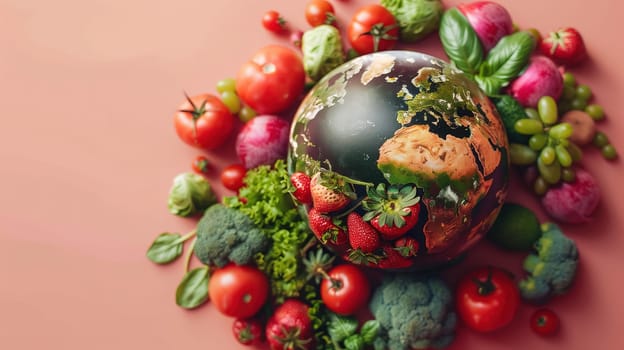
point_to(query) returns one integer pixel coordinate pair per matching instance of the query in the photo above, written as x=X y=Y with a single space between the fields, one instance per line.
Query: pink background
x=88 y=152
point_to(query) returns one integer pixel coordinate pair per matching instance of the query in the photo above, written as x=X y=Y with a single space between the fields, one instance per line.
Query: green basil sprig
x=460 y=42
x=505 y=61
x=167 y=247
x=193 y=289
x=343 y=329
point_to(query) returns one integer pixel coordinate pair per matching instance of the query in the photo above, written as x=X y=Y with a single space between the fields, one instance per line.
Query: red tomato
x=346 y=290
x=203 y=121
x=373 y=28
x=238 y=291
x=201 y=165
x=248 y=331
x=273 y=22
x=232 y=176
x=319 y=12
x=544 y=322
x=272 y=80
x=487 y=299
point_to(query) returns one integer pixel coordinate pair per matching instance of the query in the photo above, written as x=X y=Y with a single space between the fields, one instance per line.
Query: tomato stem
x=485 y=287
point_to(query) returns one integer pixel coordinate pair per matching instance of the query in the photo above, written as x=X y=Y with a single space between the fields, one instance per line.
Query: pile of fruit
x=313 y=249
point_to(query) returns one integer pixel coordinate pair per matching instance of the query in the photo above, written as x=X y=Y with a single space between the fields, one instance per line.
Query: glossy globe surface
x=406 y=118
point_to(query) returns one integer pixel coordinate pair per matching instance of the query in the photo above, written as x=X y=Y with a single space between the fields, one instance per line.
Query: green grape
x=528 y=126
x=532 y=113
x=227 y=84
x=246 y=114
x=609 y=152
x=521 y=154
x=550 y=172
x=547 y=155
x=231 y=100
x=583 y=92
x=568 y=174
x=563 y=156
x=569 y=79
x=540 y=186
x=547 y=109
x=600 y=139
x=569 y=93
x=538 y=141
x=595 y=111
x=575 y=152
x=578 y=104
x=561 y=131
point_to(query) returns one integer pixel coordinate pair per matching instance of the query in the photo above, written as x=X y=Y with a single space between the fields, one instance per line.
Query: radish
x=489 y=20
x=262 y=141
x=541 y=78
x=573 y=202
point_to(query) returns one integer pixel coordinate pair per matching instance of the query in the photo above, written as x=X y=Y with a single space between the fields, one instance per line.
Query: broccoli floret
x=551 y=268
x=225 y=234
x=510 y=111
x=414 y=313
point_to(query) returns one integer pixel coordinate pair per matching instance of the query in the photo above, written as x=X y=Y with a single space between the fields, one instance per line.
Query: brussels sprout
x=322 y=50
x=416 y=18
x=190 y=194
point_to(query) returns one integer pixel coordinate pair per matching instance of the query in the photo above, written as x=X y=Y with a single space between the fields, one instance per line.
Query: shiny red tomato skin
x=545 y=322
x=319 y=12
x=363 y=22
x=347 y=291
x=487 y=312
x=272 y=80
x=232 y=176
x=209 y=129
x=274 y=22
x=238 y=291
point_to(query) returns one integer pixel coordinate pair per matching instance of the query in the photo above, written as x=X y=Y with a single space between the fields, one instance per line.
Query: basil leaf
x=460 y=42
x=341 y=327
x=505 y=62
x=193 y=289
x=354 y=342
x=166 y=248
x=369 y=331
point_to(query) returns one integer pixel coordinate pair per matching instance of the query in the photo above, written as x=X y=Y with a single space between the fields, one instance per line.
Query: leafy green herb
x=190 y=194
x=354 y=342
x=460 y=42
x=369 y=331
x=193 y=289
x=167 y=247
x=343 y=330
x=341 y=327
x=505 y=61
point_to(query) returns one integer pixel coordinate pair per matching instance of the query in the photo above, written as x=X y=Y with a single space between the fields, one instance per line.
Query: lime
x=516 y=228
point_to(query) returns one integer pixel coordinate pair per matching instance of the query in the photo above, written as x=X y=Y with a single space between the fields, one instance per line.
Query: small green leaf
x=369 y=331
x=166 y=248
x=354 y=342
x=193 y=289
x=460 y=41
x=341 y=327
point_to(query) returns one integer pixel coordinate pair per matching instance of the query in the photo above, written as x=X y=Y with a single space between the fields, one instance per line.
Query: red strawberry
x=393 y=259
x=325 y=229
x=290 y=327
x=362 y=236
x=564 y=46
x=392 y=211
x=248 y=331
x=301 y=183
x=406 y=246
x=327 y=194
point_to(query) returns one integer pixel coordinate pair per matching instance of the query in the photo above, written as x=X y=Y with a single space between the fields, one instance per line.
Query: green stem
x=189 y=255
x=186 y=237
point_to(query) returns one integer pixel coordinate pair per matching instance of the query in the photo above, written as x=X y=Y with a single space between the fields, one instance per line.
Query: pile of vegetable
x=262 y=261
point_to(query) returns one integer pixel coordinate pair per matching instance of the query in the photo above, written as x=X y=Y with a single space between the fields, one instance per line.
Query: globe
x=393 y=122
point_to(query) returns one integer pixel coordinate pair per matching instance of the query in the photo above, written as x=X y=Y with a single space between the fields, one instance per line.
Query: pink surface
x=88 y=90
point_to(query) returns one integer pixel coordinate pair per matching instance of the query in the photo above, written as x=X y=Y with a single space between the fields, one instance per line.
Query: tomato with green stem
x=545 y=322
x=319 y=12
x=203 y=121
x=373 y=28
x=232 y=176
x=274 y=22
x=345 y=289
x=487 y=299
x=201 y=165
x=238 y=291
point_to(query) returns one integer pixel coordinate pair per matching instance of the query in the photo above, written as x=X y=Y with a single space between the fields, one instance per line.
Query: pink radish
x=541 y=78
x=262 y=141
x=489 y=20
x=574 y=202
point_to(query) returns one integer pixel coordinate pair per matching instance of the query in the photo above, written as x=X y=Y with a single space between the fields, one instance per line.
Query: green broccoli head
x=551 y=268
x=413 y=312
x=227 y=235
x=510 y=111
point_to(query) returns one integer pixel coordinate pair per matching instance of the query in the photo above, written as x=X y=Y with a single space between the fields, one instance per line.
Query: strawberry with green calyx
x=326 y=229
x=393 y=259
x=301 y=187
x=406 y=246
x=290 y=327
x=331 y=191
x=392 y=211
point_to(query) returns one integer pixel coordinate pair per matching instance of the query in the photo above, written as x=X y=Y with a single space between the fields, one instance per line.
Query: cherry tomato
x=272 y=80
x=232 y=176
x=373 y=28
x=319 y=12
x=203 y=121
x=274 y=22
x=345 y=289
x=544 y=322
x=238 y=291
x=201 y=165
x=487 y=299
x=248 y=331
